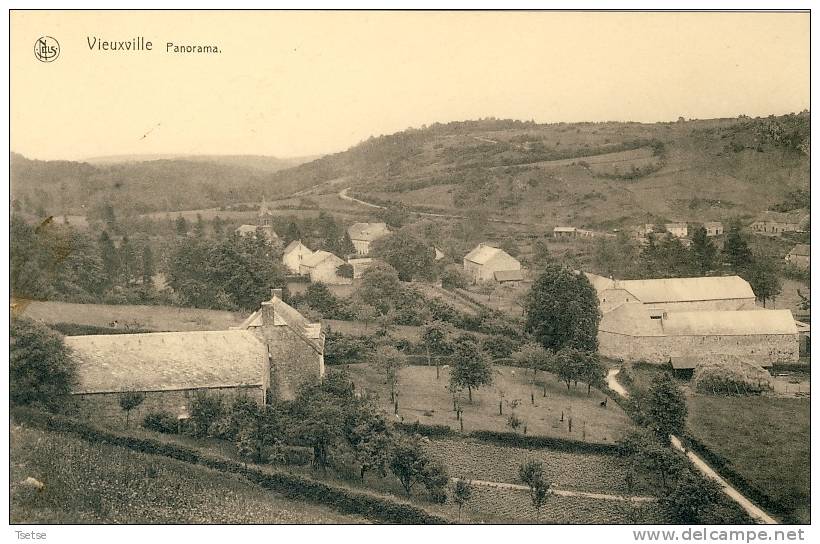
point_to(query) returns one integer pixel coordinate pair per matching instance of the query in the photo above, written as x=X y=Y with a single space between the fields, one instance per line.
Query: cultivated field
x=152 y=318
x=425 y=399
x=765 y=440
x=86 y=483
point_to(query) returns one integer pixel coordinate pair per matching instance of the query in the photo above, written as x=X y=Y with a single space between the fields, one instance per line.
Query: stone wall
x=104 y=408
x=760 y=348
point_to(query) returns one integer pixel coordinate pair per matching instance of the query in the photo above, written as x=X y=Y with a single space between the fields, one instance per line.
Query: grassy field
x=86 y=483
x=425 y=399
x=153 y=318
x=766 y=440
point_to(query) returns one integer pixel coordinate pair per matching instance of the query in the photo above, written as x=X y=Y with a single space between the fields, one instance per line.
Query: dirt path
x=563 y=492
x=751 y=508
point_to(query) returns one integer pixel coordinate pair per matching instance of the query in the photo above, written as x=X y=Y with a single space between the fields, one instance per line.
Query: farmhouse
x=484 y=261
x=638 y=332
x=295 y=253
x=800 y=256
x=266 y=358
x=322 y=266
x=678 y=230
x=708 y=293
x=363 y=234
x=775 y=223
x=264 y=223
x=713 y=228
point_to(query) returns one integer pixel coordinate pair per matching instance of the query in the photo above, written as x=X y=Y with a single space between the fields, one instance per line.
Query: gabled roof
x=631 y=319
x=482 y=253
x=803 y=250
x=167 y=361
x=245 y=229
x=318 y=257
x=729 y=323
x=687 y=289
x=508 y=275
x=367 y=231
x=294 y=245
x=564 y=229
x=708 y=224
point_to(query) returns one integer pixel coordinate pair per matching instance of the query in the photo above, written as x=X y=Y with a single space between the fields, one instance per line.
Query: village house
x=563 y=232
x=484 y=261
x=359 y=265
x=713 y=228
x=266 y=359
x=656 y=320
x=678 y=230
x=363 y=234
x=800 y=256
x=775 y=223
x=323 y=266
x=293 y=256
x=264 y=223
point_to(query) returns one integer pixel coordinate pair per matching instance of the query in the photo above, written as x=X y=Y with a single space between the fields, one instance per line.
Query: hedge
x=543 y=442
x=289 y=485
x=425 y=429
x=723 y=466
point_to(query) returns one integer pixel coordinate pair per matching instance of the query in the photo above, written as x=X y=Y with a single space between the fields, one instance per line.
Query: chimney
x=275 y=293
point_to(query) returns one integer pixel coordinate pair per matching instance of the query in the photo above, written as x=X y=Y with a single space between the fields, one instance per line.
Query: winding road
x=756 y=513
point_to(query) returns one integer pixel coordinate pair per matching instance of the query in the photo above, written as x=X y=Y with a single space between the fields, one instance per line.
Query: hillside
x=67 y=187
x=263 y=163
x=599 y=175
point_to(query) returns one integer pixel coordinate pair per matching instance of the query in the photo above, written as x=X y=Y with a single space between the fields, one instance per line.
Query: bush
x=515 y=440
x=424 y=429
x=161 y=422
x=205 y=411
x=40 y=369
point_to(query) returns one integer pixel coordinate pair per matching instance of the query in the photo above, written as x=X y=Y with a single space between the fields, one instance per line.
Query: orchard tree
x=130 y=400
x=40 y=369
x=665 y=406
x=568 y=365
x=434 y=336
x=649 y=454
x=389 y=361
x=462 y=492
x=471 y=369
x=562 y=310
x=592 y=371
x=409 y=255
x=372 y=442
x=379 y=286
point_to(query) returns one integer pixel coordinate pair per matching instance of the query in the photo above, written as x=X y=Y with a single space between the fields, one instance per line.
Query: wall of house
x=325 y=272
x=104 y=408
x=293 y=260
x=658 y=349
x=473 y=270
x=362 y=246
x=294 y=360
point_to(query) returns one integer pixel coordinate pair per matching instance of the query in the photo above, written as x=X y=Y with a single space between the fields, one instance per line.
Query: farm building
x=266 y=358
x=509 y=277
x=708 y=293
x=363 y=234
x=484 y=261
x=563 y=232
x=775 y=223
x=800 y=256
x=678 y=230
x=637 y=332
x=323 y=266
x=264 y=223
x=295 y=253
x=360 y=265
x=713 y=228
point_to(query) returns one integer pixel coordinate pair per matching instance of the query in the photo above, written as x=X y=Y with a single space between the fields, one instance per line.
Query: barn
x=266 y=358
x=484 y=261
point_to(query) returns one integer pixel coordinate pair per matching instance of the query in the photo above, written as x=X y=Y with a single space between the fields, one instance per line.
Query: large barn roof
x=687 y=289
x=167 y=361
x=318 y=257
x=729 y=323
x=482 y=253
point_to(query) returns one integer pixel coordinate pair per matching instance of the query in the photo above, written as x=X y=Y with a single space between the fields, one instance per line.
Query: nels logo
x=46 y=49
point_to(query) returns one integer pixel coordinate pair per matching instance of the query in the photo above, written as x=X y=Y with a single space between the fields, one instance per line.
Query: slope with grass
x=86 y=483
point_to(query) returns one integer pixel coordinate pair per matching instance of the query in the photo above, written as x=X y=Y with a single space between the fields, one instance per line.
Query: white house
x=322 y=266
x=294 y=255
x=484 y=261
x=363 y=234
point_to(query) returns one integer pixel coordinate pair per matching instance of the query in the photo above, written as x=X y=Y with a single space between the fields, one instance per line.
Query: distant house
x=360 y=265
x=713 y=228
x=509 y=277
x=439 y=254
x=265 y=359
x=776 y=223
x=363 y=234
x=800 y=256
x=264 y=223
x=484 y=261
x=564 y=232
x=678 y=230
x=295 y=253
x=322 y=267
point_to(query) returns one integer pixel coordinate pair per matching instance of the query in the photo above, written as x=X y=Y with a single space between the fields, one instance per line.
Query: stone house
x=775 y=223
x=564 y=232
x=360 y=265
x=266 y=358
x=264 y=223
x=363 y=234
x=484 y=261
x=323 y=266
x=800 y=256
x=713 y=228
x=293 y=256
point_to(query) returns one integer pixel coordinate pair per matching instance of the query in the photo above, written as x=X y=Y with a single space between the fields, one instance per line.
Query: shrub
x=205 y=411
x=161 y=421
x=40 y=370
x=424 y=429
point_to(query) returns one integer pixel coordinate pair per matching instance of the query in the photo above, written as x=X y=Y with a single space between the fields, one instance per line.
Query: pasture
x=765 y=440
x=151 y=318
x=85 y=483
x=423 y=398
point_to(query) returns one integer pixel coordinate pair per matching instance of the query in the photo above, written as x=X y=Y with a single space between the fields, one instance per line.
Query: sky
x=292 y=84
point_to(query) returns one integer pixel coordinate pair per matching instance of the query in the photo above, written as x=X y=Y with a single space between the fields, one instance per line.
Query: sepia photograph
x=416 y=267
